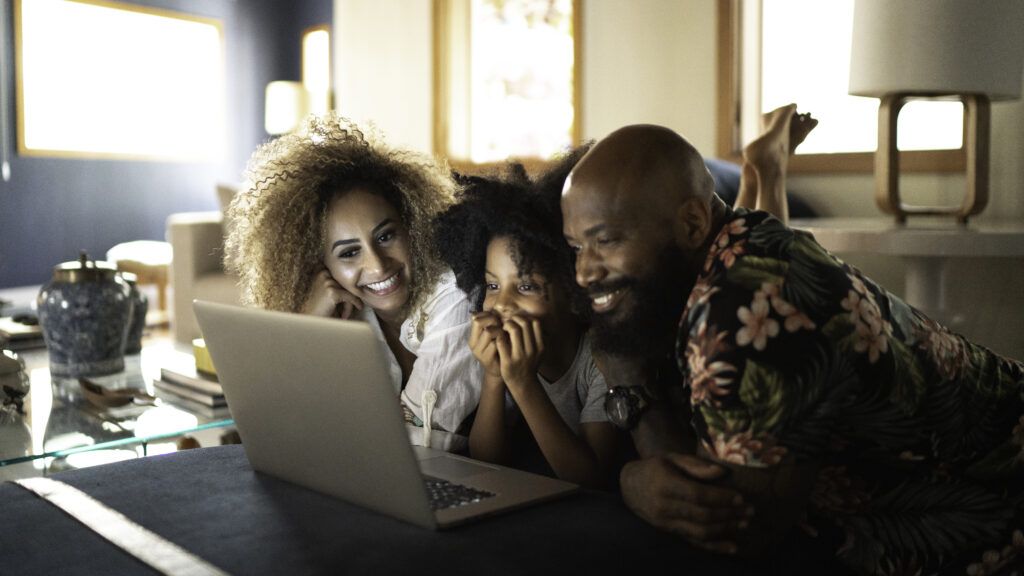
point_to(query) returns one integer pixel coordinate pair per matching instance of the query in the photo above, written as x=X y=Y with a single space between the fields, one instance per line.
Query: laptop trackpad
x=450 y=468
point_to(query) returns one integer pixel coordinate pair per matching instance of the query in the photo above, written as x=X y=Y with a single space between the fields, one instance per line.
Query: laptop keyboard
x=444 y=494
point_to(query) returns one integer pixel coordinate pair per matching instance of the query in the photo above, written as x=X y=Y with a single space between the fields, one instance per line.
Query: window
x=506 y=79
x=765 y=63
x=102 y=79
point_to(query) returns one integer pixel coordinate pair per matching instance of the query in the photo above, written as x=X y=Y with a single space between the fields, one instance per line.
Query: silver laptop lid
x=291 y=416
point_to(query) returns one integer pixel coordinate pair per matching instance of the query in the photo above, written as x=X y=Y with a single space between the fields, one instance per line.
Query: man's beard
x=655 y=304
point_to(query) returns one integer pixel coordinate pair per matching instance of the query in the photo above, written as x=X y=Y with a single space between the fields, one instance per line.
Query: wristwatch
x=624 y=405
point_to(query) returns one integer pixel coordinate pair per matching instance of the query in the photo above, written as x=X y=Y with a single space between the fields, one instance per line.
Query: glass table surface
x=61 y=427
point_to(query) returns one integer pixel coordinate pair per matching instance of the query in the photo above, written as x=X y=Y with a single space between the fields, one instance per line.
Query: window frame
x=729 y=145
x=24 y=150
x=442 y=77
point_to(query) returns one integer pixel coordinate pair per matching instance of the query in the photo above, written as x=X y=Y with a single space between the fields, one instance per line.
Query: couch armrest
x=197 y=239
x=198 y=242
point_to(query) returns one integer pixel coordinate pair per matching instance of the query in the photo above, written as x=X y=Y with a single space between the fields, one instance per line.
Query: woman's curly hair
x=527 y=213
x=277 y=223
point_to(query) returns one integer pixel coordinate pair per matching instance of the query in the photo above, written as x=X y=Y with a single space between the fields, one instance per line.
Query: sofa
x=197 y=271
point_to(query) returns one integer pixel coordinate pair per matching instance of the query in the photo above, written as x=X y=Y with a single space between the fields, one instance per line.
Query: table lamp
x=287 y=104
x=955 y=49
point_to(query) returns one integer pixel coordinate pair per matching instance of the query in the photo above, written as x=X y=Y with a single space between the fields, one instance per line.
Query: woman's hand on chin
x=328 y=299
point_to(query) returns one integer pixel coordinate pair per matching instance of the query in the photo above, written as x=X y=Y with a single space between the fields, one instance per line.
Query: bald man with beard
x=773 y=392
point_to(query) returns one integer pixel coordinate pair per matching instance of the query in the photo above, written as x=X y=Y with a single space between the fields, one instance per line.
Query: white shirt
x=438 y=334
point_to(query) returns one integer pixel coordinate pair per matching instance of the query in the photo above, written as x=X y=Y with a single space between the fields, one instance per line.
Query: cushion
x=727 y=186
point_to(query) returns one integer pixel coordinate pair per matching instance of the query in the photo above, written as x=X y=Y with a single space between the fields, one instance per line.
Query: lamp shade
x=287 y=104
x=937 y=47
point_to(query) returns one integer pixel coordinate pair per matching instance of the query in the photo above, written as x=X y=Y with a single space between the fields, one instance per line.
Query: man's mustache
x=609 y=286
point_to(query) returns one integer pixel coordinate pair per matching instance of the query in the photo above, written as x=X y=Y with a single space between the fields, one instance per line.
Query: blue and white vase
x=85 y=310
x=140 y=306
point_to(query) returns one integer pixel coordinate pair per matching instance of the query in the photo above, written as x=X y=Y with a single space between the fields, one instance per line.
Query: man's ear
x=692 y=223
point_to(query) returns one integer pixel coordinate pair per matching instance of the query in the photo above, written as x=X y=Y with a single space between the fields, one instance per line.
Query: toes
x=801 y=125
x=772 y=118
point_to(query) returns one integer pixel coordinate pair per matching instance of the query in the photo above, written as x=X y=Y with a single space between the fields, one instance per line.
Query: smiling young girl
x=504 y=243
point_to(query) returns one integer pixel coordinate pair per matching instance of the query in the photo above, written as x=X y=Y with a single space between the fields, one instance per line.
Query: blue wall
x=54 y=207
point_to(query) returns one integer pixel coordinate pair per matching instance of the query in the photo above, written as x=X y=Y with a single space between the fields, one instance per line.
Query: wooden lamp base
x=977 y=120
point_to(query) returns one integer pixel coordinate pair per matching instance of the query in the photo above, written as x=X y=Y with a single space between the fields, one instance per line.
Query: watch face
x=621 y=408
x=617 y=410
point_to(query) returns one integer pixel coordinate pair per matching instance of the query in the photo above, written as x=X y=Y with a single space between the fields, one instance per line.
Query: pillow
x=727 y=179
x=727 y=186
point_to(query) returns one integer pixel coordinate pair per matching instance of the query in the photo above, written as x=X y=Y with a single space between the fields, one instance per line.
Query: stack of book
x=21 y=332
x=195 y=391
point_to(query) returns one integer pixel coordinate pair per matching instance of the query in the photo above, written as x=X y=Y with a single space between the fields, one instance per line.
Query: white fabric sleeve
x=444 y=362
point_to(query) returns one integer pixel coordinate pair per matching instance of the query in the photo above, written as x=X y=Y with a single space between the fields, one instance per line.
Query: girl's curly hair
x=527 y=213
x=277 y=223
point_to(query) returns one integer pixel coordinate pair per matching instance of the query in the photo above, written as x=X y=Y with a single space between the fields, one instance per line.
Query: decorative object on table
x=182 y=392
x=947 y=49
x=14 y=385
x=219 y=408
x=140 y=306
x=85 y=311
x=21 y=332
x=190 y=377
x=104 y=397
x=194 y=389
x=204 y=364
x=15 y=433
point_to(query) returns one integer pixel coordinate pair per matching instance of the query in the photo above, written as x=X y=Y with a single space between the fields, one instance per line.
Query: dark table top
x=210 y=502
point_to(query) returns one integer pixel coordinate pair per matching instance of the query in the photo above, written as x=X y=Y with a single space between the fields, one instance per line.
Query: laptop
x=314 y=405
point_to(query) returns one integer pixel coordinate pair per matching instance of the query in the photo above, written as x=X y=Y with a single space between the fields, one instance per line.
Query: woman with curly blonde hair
x=332 y=222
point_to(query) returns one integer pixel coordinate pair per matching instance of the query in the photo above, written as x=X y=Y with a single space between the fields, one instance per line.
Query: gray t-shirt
x=579 y=394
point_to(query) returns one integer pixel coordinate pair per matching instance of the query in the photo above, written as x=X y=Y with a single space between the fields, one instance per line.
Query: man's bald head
x=638 y=211
x=645 y=164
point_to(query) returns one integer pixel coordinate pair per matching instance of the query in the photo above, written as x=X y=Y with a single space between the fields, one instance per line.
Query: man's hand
x=484 y=331
x=520 y=349
x=675 y=493
x=327 y=298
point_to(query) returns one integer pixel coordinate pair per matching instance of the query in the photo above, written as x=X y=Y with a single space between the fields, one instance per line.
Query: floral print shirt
x=789 y=354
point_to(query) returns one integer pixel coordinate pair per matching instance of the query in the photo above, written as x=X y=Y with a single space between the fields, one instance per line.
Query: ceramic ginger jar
x=140 y=306
x=85 y=310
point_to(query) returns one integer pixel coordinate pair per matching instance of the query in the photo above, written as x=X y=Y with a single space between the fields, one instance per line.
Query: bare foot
x=770 y=151
x=766 y=159
x=747 y=194
x=800 y=125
